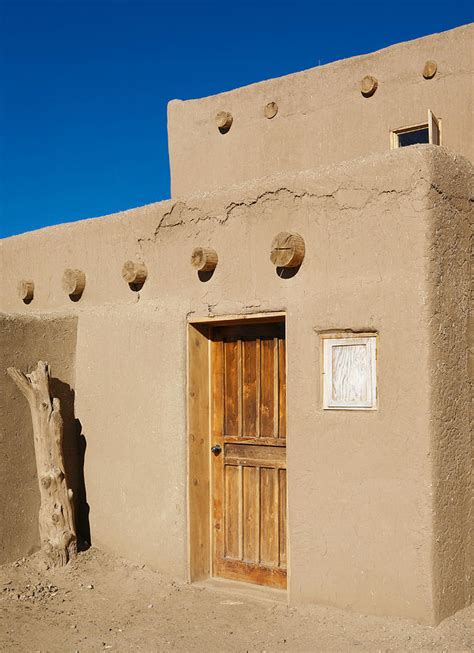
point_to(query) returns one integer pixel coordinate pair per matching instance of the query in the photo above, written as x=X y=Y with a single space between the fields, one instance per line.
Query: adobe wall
x=24 y=340
x=452 y=447
x=322 y=116
x=369 y=493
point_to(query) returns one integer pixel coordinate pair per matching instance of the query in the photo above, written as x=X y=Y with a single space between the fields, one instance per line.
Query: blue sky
x=84 y=85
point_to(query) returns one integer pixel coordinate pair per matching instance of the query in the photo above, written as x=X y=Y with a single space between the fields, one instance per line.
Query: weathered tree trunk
x=56 y=516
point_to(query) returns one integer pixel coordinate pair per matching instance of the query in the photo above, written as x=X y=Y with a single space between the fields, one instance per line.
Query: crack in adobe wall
x=327 y=196
x=184 y=211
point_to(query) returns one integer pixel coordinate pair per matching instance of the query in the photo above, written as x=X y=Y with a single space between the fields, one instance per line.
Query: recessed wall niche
x=349 y=372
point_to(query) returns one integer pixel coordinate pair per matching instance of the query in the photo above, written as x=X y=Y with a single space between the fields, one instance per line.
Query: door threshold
x=245 y=590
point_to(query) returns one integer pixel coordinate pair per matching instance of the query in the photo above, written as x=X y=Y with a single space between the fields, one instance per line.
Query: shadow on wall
x=74 y=452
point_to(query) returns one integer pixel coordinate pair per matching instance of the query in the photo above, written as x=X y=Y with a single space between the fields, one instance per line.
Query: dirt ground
x=100 y=603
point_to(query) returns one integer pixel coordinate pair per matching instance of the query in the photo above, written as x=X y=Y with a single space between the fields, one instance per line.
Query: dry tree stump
x=56 y=514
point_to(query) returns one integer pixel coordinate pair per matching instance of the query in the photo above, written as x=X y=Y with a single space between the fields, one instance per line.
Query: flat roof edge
x=335 y=64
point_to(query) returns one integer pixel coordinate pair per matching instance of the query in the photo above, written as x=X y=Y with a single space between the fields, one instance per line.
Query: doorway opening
x=237 y=451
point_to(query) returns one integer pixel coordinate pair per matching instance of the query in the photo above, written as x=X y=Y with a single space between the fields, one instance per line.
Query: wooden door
x=248 y=463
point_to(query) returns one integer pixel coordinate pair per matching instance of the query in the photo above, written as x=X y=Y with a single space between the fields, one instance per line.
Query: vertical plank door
x=249 y=453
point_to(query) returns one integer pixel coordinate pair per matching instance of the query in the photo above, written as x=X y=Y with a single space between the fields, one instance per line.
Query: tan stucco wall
x=471 y=420
x=322 y=116
x=130 y=384
x=23 y=341
x=364 y=487
x=449 y=269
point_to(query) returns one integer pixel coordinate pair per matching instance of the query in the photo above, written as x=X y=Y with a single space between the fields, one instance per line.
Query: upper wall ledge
x=338 y=112
x=426 y=160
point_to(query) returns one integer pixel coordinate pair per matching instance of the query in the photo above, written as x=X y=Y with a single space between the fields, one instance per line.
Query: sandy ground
x=100 y=603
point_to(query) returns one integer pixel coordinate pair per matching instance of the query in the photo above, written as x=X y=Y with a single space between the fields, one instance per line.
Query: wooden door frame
x=198 y=393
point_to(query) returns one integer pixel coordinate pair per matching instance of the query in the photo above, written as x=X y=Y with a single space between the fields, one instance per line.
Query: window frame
x=433 y=124
x=329 y=341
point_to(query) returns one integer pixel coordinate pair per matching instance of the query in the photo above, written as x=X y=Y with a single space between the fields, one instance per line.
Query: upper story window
x=428 y=132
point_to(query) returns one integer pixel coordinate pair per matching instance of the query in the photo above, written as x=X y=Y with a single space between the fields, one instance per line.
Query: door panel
x=250 y=387
x=282 y=535
x=232 y=364
x=282 y=389
x=251 y=507
x=254 y=455
x=249 y=470
x=268 y=401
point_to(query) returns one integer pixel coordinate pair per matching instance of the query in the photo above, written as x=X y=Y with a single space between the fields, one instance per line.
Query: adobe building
x=266 y=377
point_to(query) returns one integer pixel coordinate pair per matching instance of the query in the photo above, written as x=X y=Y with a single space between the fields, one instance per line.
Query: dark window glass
x=413 y=137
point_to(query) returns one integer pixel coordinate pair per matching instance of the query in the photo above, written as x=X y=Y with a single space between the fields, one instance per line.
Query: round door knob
x=216 y=449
